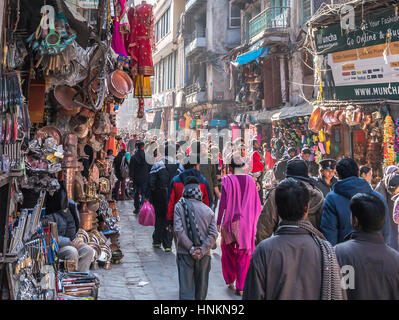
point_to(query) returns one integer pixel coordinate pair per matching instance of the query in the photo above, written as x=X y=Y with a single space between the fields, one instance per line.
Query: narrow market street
x=146 y=273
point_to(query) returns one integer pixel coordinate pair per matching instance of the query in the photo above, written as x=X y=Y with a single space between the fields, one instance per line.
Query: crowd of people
x=291 y=241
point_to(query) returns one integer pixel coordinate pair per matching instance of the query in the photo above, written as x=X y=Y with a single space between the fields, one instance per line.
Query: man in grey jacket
x=195 y=234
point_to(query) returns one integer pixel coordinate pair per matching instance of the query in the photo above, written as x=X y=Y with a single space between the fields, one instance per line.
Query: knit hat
x=393 y=182
x=297 y=168
x=390 y=169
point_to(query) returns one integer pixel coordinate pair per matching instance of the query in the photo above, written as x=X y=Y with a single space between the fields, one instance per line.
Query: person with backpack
x=161 y=175
x=121 y=169
x=139 y=174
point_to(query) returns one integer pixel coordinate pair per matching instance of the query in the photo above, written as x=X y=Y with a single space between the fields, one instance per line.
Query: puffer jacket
x=269 y=219
x=66 y=226
x=336 y=219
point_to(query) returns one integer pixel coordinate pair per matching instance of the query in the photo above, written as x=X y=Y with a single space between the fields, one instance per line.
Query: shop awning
x=301 y=110
x=251 y=56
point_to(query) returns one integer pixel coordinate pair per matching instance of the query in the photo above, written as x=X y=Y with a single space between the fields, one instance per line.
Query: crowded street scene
x=230 y=150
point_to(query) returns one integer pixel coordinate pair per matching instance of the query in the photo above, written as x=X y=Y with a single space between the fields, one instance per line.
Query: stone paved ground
x=142 y=263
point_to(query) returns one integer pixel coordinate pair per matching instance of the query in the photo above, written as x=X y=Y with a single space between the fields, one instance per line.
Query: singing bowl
x=64 y=95
x=316 y=122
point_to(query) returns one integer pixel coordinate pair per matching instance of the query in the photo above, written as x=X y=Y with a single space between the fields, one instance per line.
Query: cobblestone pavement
x=146 y=273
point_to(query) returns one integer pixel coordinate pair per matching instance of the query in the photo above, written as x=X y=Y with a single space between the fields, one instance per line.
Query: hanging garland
x=397 y=141
x=389 y=141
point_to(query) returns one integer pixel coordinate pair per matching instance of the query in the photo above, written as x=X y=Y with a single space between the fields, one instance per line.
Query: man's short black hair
x=191 y=180
x=347 y=168
x=140 y=144
x=306 y=151
x=110 y=152
x=369 y=210
x=292 y=197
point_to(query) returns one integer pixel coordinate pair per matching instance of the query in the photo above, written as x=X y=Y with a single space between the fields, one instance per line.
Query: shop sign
x=219 y=96
x=360 y=64
x=87 y=4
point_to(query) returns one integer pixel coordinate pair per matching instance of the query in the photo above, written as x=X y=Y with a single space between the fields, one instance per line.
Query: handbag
x=124 y=169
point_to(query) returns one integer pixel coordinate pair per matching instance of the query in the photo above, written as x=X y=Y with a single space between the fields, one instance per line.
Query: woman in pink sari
x=239 y=211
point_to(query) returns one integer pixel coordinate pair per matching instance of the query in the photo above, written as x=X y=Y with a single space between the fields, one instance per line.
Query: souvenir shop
x=61 y=84
x=367 y=132
x=357 y=88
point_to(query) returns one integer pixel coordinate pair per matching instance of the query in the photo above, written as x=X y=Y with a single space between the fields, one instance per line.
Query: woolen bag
x=147 y=215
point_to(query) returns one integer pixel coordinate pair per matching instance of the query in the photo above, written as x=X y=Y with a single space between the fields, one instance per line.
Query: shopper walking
x=209 y=171
x=336 y=217
x=297 y=263
x=195 y=234
x=239 y=210
x=375 y=265
x=161 y=175
x=120 y=166
x=191 y=168
x=269 y=219
x=140 y=171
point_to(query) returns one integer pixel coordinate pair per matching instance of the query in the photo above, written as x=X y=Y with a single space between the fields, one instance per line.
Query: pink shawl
x=243 y=207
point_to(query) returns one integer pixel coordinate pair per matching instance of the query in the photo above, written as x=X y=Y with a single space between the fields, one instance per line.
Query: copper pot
x=85 y=112
x=120 y=84
x=86 y=219
x=316 y=122
x=64 y=95
x=49 y=131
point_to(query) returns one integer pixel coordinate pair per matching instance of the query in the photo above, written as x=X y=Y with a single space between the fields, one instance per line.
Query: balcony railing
x=194 y=88
x=198 y=33
x=270 y=18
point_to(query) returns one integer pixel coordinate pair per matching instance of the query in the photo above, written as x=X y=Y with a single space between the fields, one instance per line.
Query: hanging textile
x=121 y=28
x=142 y=87
x=141 y=39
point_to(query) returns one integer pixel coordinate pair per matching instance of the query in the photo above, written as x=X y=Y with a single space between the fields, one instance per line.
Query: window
x=235 y=16
x=165 y=74
x=163 y=26
x=306 y=11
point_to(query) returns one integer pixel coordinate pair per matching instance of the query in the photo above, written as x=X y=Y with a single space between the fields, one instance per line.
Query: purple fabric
x=241 y=203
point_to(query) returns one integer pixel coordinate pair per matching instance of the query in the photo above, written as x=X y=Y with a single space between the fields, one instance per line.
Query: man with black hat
x=280 y=167
x=269 y=220
x=327 y=179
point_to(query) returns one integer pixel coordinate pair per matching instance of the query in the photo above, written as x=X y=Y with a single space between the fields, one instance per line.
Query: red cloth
x=270 y=162
x=258 y=165
x=141 y=39
x=177 y=193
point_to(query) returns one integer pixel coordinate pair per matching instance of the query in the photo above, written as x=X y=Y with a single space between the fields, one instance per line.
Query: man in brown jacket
x=269 y=219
